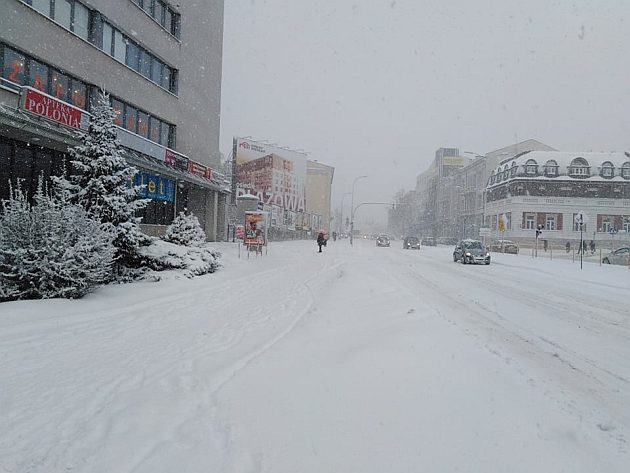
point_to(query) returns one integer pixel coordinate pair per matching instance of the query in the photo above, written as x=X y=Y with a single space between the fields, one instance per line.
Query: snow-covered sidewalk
x=358 y=359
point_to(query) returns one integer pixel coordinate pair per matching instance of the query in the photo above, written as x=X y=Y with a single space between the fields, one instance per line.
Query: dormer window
x=551 y=168
x=579 y=168
x=514 y=169
x=608 y=170
x=625 y=170
x=531 y=167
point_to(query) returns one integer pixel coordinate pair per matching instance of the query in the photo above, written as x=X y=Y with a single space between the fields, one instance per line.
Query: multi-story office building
x=160 y=62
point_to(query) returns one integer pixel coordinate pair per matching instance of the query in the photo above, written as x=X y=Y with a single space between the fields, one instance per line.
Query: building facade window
x=550 y=222
x=70 y=14
x=625 y=170
x=529 y=221
x=551 y=168
x=607 y=170
x=13 y=66
x=24 y=70
x=162 y=13
x=531 y=167
x=626 y=223
x=579 y=168
x=123 y=49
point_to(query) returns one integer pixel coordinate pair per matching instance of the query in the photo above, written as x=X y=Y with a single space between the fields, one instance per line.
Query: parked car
x=382 y=240
x=428 y=241
x=471 y=252
x=411 y=243
x=504 y=246
x=619 y=256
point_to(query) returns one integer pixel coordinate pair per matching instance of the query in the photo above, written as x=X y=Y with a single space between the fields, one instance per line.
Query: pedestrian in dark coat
x=321 y=241
x=592 y=245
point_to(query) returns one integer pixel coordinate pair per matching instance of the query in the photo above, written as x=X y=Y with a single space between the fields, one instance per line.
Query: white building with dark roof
x=549 y=188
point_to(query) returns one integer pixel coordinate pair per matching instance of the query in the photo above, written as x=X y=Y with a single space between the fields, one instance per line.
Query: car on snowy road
x=382 y=240
x=471 y=252
x=411 y=243
x=619 y=256
x=504 y=246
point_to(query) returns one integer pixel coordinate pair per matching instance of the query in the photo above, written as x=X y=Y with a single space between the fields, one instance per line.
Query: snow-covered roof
x=517 y=166
x=564 y=158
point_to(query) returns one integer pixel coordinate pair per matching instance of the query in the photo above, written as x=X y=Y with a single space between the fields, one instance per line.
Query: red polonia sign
x=53 y=109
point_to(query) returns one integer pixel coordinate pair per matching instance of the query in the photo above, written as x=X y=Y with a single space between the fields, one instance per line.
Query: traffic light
x=539 y=230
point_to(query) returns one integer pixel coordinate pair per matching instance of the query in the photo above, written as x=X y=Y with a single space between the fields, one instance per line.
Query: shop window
x=38 y=75
x=79 y=94
x=60 y=85
x=6 y=151
x=42 y=165
x=81 y=21
x=143 y=124
x=131 y=118
x=13 y=66
x=23 y=168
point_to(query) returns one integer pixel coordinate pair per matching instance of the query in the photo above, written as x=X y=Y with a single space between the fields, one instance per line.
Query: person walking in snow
x=321 y=241
x=592 y=245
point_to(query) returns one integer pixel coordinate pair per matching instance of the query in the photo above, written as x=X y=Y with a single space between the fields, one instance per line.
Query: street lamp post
x=352 y=208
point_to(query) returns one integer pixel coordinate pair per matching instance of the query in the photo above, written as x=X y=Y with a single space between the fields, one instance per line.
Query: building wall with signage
x=194 y=106
x=64 y=70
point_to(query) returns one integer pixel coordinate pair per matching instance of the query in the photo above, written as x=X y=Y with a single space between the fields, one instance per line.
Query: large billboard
x=277 y=176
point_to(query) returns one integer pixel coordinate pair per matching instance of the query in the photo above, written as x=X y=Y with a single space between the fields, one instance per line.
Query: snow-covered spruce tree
x=50 y=249
x=102 y=185
x=185 y=230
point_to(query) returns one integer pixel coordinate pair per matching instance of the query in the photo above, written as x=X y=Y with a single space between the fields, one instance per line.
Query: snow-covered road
x=359 y=359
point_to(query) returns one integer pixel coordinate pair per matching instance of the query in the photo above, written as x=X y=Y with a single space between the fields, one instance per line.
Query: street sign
x=581 y=217
x=613 y=231
x=485 y=231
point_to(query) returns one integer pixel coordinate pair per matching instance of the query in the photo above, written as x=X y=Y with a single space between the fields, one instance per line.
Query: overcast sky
x=376 y=86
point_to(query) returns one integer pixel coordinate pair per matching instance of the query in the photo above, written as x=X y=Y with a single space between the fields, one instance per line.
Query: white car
x=619 y=256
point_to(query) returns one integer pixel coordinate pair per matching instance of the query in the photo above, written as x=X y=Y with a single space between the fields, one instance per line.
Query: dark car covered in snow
x=471 y=252
x=411 y=243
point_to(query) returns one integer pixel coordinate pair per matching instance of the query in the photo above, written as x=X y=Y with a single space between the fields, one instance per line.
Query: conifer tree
x=185 y=230
x=103 y=184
